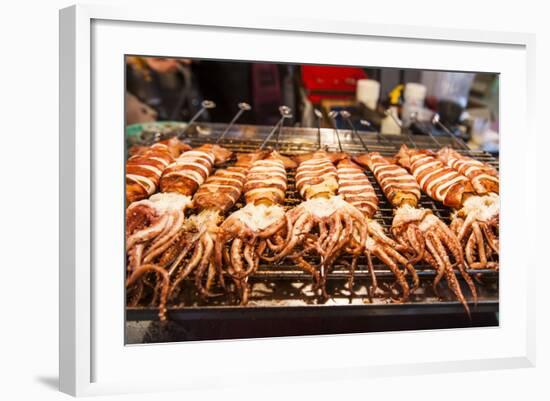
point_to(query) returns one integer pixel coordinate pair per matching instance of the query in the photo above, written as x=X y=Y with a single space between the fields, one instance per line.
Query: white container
x=368 y=92
x=414 y=92
x=414 y=95
x=389 y=123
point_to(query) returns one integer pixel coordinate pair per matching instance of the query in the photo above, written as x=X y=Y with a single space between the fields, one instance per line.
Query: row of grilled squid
x=167 y=245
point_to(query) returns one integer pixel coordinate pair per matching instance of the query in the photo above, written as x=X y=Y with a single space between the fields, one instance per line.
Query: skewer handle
x=242 y=108
x=347 y=116
x=414 y=118
x=319 y=116
x=286 y=112
x=436 y=121
x=205 y=105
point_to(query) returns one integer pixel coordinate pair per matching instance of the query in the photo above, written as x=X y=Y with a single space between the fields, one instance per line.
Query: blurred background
x=387 y=100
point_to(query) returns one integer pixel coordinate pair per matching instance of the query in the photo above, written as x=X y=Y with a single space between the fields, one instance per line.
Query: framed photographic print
x=231 y=188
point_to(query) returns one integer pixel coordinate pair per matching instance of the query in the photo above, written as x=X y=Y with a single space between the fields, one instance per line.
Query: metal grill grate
x=284 y=284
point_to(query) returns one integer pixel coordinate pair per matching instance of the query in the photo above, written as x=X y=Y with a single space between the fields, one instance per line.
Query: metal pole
x=414 y=118
x=205 y=105
x=347 y=117
x=286 y=112
x=435 y=121
x=319 y=116
x=242 y=108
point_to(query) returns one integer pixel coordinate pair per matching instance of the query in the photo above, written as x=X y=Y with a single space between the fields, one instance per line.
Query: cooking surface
x=282 y=288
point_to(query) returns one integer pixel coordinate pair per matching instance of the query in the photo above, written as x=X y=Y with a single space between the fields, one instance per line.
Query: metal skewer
x=319 y=116
x=347 y=117
x=379 y=136
x=367 y=124
x=435 y=121
x=332 y=115
x=414 y=118
x=409 y=137
x=242 y=108
x=286 y=112
x=205 y=105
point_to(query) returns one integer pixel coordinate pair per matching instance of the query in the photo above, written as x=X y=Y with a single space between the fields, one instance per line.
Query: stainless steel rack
x=282 y=291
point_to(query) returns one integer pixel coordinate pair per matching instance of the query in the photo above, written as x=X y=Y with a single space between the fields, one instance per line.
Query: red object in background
x=321 y=82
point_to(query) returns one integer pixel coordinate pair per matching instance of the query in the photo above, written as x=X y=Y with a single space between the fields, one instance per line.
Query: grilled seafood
x=484 y=178
x=249 y=228
x=334 y=157
x=144 y=168
x=178 y=182
x=418 y=229
x=477 y=222
x=477 y=217
x=154 y=225
x=356 y=189
x=214 y=198
x=324 y=224
x=175 y=147
x=191 y=169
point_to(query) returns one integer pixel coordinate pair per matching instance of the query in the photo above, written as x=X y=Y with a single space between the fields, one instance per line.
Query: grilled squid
x=476 y=217
x=155 y=225
x=324 y=224
x=356 y=189
x=180 y=179
x=215 y=197
x=244 y=234
x=145 y=167
x=477 y=221
x=425 y=236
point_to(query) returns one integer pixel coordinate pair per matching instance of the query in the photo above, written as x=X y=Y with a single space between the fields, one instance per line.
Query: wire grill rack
x=283 y=284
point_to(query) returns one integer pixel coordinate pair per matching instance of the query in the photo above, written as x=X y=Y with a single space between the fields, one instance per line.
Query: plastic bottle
x=389 y=123
x=414 y=95
x=368 y=92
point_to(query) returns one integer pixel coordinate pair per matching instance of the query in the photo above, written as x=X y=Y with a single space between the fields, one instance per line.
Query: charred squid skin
x=236 y=259
x=153 y=226
x=351 y=278
x=438 y=252
x=400 y=277
x=237 y=264
x=414 y=236
x=453 y=245
x=211 y=275
x=138 y=273
x=164 y=241
x=148 y=233
x=480 y=244
x=172 y=228
x=333 y=239
x=208 y=246
x=134 y=257
x=184 y=248
x=473 y=223
x=294 y=240
x=193 y=262
x=492 y=241
x=469 y=250
x=374 y=281
x=444 y=241
x=408 y=266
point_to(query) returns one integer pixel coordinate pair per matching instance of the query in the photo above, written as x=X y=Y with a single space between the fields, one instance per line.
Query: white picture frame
x=92 y=362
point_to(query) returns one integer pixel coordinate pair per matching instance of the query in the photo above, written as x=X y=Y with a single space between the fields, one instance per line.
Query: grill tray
x=283 y=288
